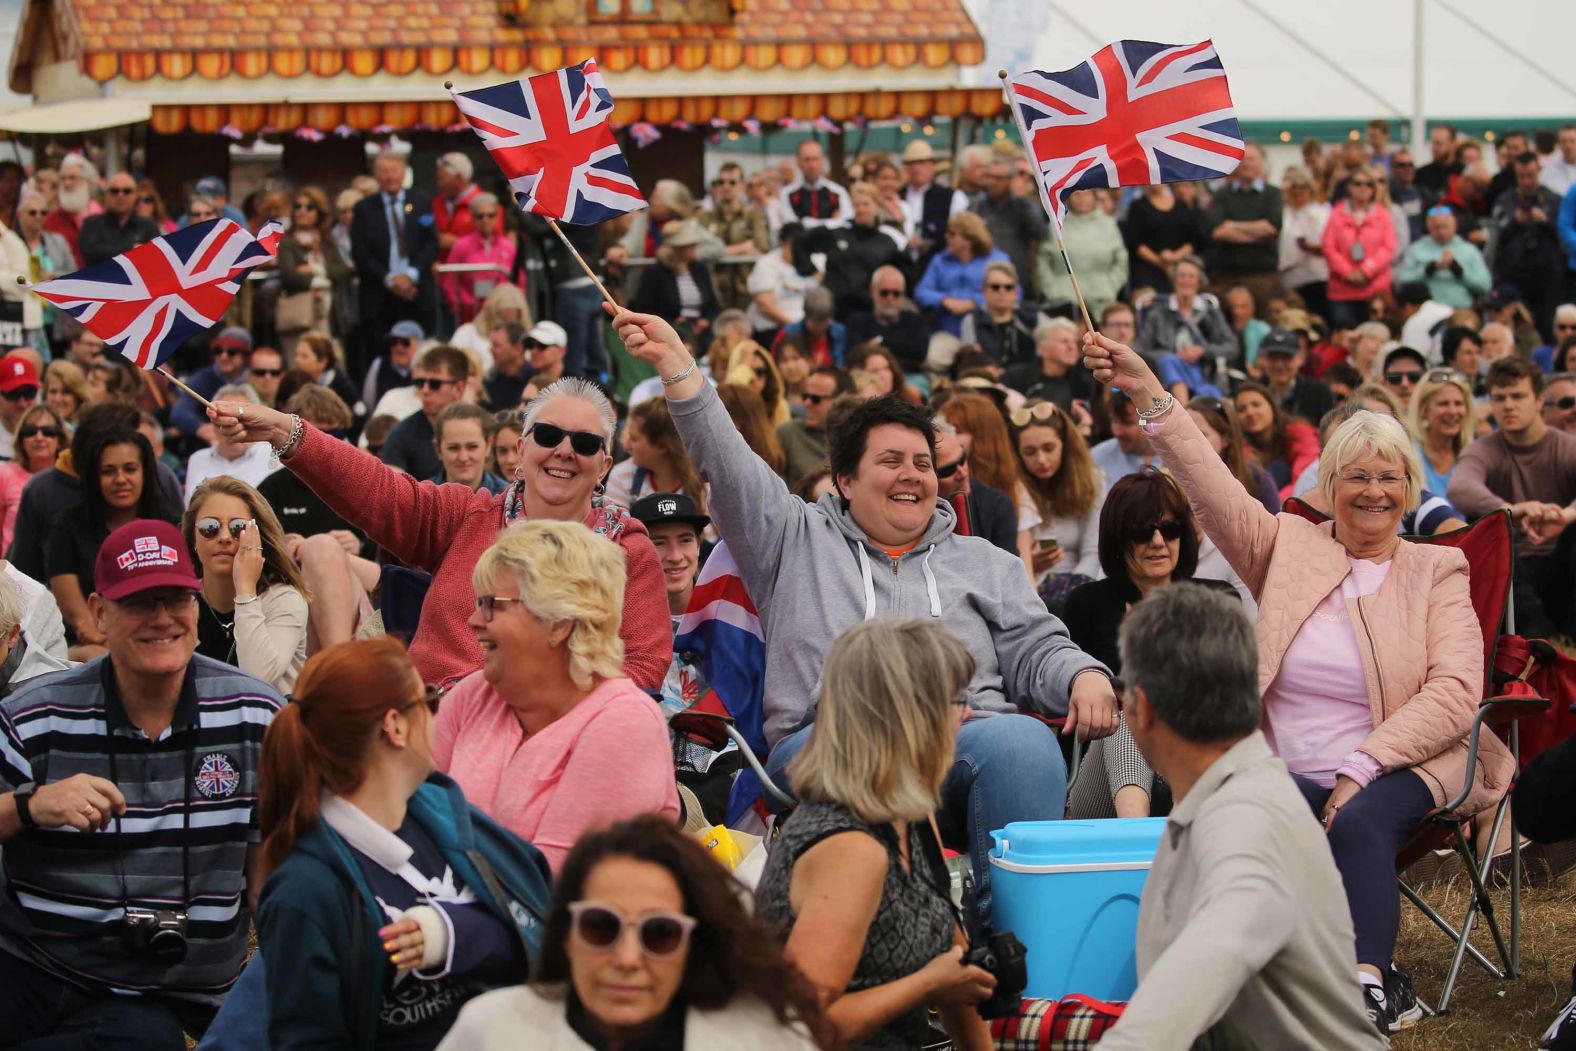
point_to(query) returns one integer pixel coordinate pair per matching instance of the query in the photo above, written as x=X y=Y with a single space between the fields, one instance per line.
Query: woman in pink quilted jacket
x=1370 y=655
x=1359 y=246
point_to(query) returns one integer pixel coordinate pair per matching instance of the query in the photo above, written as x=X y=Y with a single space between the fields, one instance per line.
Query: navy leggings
x=1365 y=837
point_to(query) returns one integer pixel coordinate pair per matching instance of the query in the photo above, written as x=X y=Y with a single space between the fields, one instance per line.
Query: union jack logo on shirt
x=551 y=137
x=1135 y=114
x=147 y=302
x=216 y=777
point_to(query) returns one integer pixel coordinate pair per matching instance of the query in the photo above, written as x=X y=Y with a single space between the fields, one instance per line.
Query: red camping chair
x=1490 y=552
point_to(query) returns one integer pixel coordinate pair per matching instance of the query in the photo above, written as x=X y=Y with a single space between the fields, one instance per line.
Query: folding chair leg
x=1077 y=761
x=1449 y=931
x=1481 y=904
x=1515 y=867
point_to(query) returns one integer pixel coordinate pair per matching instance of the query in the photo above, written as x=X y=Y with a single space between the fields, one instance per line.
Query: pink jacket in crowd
x=1422 y=649
x=443 y=529
x=1376 y=234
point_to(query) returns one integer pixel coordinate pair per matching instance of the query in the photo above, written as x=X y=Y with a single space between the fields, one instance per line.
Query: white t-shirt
x=773 y=273
x=251 y=467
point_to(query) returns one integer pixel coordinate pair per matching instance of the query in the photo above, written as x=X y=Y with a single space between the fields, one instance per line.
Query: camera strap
x=186 y=821
x=942 y=881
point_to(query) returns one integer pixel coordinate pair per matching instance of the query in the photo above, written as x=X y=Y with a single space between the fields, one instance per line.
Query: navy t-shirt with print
x=419 y=1006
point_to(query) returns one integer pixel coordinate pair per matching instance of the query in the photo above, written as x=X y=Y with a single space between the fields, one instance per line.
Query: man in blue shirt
x=1128 y=447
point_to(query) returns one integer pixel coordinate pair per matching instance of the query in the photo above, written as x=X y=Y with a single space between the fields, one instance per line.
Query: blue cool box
x=1069 y=890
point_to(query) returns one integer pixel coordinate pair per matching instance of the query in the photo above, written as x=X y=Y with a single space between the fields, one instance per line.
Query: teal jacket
x=317 y=921
x=1444 y=284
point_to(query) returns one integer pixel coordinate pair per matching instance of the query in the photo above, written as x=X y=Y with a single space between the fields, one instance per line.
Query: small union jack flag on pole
x=1135 y=114
x=551 y=136
x=147 y=302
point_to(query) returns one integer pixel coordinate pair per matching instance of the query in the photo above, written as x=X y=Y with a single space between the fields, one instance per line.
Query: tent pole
x=1419 y=118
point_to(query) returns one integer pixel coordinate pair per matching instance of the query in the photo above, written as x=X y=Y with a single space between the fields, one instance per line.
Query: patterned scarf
x=607 y=518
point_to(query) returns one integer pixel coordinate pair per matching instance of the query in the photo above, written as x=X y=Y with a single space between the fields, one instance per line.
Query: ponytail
x=319 y=741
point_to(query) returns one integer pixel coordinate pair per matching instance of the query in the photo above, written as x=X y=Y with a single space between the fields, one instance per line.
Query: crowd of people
x=376 y=652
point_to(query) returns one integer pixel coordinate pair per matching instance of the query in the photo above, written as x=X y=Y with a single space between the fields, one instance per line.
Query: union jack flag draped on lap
x=1135 y=114
x=551 y=137
x=147 y=302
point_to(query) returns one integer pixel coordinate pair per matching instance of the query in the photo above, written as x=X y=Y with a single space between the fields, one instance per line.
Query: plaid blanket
x=1074 y=1023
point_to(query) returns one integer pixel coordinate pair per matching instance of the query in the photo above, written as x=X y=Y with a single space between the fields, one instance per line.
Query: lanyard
x=186 y=823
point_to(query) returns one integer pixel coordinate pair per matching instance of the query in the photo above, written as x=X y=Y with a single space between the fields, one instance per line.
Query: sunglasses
x=950 y=469
x=208 y=527
x=430 y=383
x=1355 y=183
x=227 y=351
x=1564 y=404
x=268 y=373
x=148 y=605
x=20 y=394
x=484 y=215
x=584 y=443
x=761 y=372
x=1169 y=530
x=489 y=604
x=1444 y=376
x=144 y=200
x=33 y=432
x=33 y=211
x=305 y=206
x=1029 y=413
x=200 y=217
x=814 y=399
x=661 y=934
x=890 y=293
x=997 y=286
x=120 y=191
x=1397 y=378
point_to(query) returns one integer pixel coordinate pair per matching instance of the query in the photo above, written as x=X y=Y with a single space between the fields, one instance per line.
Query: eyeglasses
x=584 y=443
x=430 y=383
x=1169 y=530
x=997 y=286
x=1029 y=413
x=889 y=293
x=1564 y=327
x=25 y=433
x=33 y=211
x=430 y=697
x=661 y=934
x=1363 y=481
x=489 y=604
x=814 y=399
x=208 y=527
x=147 y=605
x=400 y=341
x=121 y=191
x=225 y=350
x=200 y=217
x=1565 y=404
x=268 y=373
x=305 y=206
x=1395 y=379
x=1356 y=183
x=20 y=394
x=950 y=469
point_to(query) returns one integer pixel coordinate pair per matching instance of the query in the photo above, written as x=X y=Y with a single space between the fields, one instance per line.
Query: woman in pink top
x=1370 y=656
x=549 y=738
x=1359 y=246
x=36 y=443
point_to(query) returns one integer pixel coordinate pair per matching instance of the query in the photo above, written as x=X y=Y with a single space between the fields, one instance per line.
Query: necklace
x=226 y=626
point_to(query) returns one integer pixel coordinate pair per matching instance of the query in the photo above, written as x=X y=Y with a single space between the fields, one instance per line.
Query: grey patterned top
x=912 y=925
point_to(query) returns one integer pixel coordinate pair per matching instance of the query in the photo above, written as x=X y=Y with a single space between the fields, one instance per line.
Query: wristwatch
x=21 y=797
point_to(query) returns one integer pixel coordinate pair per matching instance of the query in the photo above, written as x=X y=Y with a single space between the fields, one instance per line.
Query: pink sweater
x=443 y=529
x=608 y=758
x=13 y=479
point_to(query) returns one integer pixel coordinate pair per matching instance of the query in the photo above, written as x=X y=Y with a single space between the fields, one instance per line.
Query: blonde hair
x=973 y=230
x=1427 y=390
x=501 y=298
x=883 y=737
x=564 y=571
x=10 y=606
x=71 y=378
x=1373 y=434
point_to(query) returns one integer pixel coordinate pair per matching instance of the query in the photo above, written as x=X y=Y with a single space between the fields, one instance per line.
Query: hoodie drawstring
x=865 y=575
x=870 y=584
x=930 y=584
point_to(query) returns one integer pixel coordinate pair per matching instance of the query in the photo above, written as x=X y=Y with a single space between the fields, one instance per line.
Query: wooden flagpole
x=1050 y=206
x=581 y=260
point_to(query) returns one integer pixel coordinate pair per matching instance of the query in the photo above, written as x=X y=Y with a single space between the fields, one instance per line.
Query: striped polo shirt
x=191 y=791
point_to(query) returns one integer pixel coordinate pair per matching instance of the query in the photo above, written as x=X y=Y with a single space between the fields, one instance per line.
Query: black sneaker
x=1378 y=1007
x=1402 y=1009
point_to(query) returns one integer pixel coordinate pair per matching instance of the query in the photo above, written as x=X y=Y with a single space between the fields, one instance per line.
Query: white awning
x=79 y=115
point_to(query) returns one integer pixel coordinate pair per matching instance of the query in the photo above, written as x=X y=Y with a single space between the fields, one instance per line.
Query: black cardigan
x=659 y=292
x=1095 y=611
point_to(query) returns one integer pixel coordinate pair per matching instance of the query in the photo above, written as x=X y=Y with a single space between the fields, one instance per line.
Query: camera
x=155 y=934
x=999 y=952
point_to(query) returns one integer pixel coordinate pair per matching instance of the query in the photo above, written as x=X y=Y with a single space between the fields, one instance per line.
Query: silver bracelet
x=297 y=429
x=680 y=374
x=1160 y=408
x=242 y=600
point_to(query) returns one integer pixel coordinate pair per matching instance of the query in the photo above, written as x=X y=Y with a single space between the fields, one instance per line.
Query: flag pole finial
x=1002 y=73
x=448 y=85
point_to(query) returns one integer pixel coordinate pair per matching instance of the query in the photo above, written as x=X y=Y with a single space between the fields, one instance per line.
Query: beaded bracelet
x=679 y=375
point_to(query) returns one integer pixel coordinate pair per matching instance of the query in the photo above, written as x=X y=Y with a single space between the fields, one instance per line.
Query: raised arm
x=1234 y=519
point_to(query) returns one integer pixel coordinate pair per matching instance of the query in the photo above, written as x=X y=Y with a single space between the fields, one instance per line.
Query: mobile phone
x=1049 y=543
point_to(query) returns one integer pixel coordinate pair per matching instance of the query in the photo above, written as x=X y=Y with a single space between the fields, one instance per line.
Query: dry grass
x=1487 y=1014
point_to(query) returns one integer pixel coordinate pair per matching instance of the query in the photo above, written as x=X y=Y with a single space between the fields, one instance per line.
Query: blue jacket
x=836 y=338
x=1566 y=225
x=188 y=414
x=948 y=277
x=317 y=920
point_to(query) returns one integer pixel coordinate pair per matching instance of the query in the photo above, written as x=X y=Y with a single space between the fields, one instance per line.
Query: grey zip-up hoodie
x=813 y=574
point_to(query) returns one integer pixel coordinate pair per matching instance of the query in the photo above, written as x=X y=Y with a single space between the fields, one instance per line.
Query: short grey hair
x=391 y=155
x=942 y=426
x=458 y=163
x=1193 y=651
x=1376 y=330
x=977 y=152
x=573 y=387
x=482 y=200
x=1565 y=312
x=10 y=605
x=1374 y=434
x=236 y=392
x=1052 y=325
x=887 y=271
x=818 y=302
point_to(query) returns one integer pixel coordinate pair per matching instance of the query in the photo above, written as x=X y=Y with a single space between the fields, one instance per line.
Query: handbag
x=296 y=312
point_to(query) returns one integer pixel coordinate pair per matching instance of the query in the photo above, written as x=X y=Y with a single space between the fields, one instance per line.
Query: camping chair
x=715 y=730
x=1490 y=552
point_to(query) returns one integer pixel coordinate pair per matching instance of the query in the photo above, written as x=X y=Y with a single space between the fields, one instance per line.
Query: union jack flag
x=1135 y=114
x=551 y=137
x=147 y=302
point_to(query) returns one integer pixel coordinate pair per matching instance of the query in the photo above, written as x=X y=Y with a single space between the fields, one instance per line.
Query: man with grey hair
x=453 y=219
x=394 y=246
x=1543 y=357
x=1559 y=402
x=20 y=660
x=889 y=322
x=1244 y=933
x=79 y=181
x=248 y=462
x=119 y=228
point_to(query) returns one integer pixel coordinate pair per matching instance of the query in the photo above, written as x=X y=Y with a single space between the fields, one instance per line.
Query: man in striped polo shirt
x=128 y=788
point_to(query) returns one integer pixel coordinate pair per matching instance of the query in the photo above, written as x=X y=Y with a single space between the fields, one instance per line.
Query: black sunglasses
x=1565 y=404
x=950 y=469
x=302 y=206
x=584 y=443
x=814 y=399
x=209 y=527
x=430 y=383
x=121 y=191
x=20 y=394
x=889 y=293
x=268 y=373
x=225 y=350
x=1402 y=377
x=999 y=287
x=33 y=432
x=1169 y=530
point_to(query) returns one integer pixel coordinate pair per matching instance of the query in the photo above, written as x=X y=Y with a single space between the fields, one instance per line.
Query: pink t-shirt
x=606 y=759
x=1317 y=712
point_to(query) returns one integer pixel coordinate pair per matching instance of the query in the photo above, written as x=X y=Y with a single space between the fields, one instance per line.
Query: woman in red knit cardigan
x=565 y=451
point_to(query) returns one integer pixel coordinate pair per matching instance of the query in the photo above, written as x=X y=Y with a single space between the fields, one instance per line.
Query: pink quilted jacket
x=1420 y=641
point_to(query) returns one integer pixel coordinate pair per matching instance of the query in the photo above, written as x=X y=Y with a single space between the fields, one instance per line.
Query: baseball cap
x=234 y=336
x=17 y=372
x=141 y=555
x=663 y=508
x=1503 y=294
x=548 y=334
x=1279 y=341
x=407 y=330
x=211 y=186
x=1404 y=352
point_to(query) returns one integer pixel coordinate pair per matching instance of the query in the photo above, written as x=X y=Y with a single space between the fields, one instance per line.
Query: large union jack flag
x=147 y=302
x=1135 y=114
x=551 y=137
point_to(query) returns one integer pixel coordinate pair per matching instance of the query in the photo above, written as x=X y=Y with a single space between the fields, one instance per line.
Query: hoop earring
x=519 y=472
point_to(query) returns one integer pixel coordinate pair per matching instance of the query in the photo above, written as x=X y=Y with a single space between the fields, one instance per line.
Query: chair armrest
x=1497 y=713
x=709 y=728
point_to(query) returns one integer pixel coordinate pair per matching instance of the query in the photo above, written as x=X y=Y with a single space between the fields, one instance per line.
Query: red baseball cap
x=16 y=372
x=141 y=555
